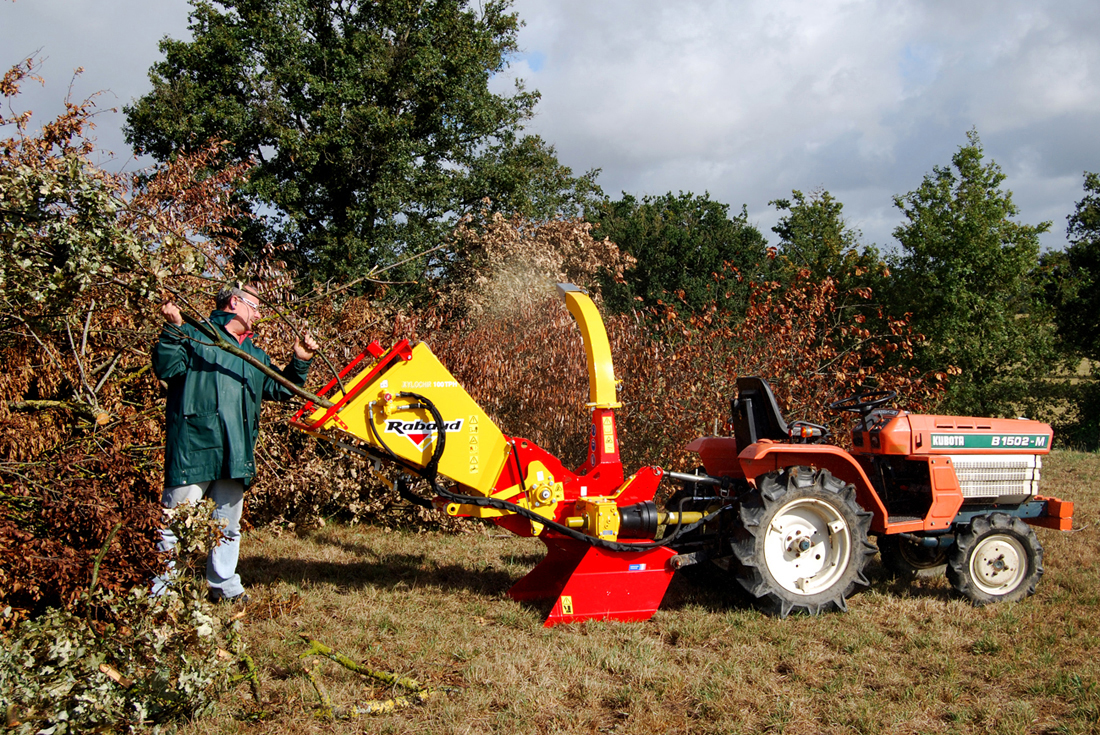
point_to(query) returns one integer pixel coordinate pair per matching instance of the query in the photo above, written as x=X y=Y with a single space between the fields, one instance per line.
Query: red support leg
x=549 y=577
x=590 y=583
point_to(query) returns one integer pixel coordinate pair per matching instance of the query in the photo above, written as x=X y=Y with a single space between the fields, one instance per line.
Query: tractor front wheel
x=803 y=546
x=998 y=558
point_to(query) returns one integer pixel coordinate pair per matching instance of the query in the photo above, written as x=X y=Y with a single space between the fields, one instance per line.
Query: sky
x=743 y=99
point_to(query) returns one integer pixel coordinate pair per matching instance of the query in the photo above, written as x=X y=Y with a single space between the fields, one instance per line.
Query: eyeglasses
x=253 y=304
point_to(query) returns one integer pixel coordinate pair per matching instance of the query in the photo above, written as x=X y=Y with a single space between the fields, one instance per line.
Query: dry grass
x=906 y=658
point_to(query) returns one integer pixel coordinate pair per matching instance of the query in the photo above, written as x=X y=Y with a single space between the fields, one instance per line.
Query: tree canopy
x=964 y=274
x=370 y=125
x=680 y=242
x=1075 y=285
x=814 y=236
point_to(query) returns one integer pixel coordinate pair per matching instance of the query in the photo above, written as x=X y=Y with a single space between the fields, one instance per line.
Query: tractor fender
x=718 y=455
x=768 y=456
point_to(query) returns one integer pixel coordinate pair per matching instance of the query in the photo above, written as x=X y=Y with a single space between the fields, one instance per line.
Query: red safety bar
x=400 y=351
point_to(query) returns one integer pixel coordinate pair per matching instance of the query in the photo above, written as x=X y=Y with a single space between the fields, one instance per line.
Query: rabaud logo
x=420 y=433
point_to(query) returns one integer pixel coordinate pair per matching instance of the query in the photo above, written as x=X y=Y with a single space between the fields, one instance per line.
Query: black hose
x=430 y=474
x=410 y=496
x=378 y=438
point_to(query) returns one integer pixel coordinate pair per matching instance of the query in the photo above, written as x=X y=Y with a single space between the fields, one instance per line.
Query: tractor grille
x=996 y=475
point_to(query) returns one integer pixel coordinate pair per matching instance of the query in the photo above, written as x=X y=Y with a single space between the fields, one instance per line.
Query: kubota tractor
x=782 y=513
x=935 y=490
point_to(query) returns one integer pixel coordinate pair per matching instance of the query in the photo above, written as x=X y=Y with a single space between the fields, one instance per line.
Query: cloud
x=749 y=100
x=746 y=99
x=115 y=43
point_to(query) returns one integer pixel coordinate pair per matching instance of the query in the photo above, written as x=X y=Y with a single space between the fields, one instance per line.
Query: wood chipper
x=784 y=515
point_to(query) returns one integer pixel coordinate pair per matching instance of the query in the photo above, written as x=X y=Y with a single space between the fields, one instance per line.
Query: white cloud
x=752 y=99
x=115 y=42
x=747 y=99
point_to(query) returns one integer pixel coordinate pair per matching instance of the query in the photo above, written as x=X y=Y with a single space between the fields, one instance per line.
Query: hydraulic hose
x=430 y=474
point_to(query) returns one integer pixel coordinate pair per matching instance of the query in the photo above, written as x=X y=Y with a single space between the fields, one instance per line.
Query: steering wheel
x=863 y=403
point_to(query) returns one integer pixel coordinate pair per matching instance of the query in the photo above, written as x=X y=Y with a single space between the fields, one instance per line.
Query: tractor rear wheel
x=997 y=558
x=909 y=561
x=803 y=546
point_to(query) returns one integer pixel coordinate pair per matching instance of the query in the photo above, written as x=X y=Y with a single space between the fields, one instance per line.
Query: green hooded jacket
x=213 y=414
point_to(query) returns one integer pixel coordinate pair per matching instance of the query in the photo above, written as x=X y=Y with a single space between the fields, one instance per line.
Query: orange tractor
x=784 y=514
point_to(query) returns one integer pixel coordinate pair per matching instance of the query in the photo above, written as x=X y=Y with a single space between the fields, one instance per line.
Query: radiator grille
x=994 y=475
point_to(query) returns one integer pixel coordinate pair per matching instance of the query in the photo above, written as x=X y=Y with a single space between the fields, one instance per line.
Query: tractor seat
x=756 y=414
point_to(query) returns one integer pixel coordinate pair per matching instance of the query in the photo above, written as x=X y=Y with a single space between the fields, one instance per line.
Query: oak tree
x=1071 y=284
x=1077 y=281
x=815 y=237
x=371 y=126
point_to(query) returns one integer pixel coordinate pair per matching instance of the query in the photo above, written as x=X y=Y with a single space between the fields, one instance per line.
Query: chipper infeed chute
x=379 y=410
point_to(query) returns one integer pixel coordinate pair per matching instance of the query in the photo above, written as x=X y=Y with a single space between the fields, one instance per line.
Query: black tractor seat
x=756 y=413
x=756 y=416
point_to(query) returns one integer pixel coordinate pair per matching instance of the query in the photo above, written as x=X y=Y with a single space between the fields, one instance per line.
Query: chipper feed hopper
x=784 y=515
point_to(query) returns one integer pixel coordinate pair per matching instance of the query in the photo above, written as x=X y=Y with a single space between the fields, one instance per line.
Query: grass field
x=906 y=658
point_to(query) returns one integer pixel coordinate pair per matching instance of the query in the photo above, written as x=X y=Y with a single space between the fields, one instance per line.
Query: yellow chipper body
x=403 y=407
x=374 y=413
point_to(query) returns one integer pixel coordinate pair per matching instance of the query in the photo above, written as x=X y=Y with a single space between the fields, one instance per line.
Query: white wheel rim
x=807 y=546
x=998 y=564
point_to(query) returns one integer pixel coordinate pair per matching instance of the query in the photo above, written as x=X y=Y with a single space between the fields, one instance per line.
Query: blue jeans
x=221 y=564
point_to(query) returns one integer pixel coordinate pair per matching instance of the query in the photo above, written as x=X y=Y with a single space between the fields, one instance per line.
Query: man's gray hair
x=221 y=301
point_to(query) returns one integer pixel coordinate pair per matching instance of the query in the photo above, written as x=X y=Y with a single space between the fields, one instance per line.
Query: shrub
x=122 y=661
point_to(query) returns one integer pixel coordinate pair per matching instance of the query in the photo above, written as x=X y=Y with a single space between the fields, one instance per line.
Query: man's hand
x=304 y=348
x=171 y=313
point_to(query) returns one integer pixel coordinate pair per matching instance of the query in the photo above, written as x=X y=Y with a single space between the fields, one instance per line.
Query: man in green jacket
x=212 y=419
